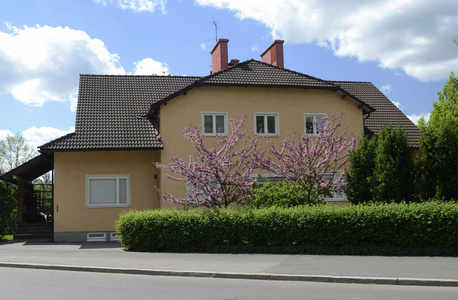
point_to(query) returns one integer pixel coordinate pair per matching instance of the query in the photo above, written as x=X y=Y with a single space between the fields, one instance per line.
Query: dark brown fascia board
x=366 y=108
x=201 y=82
x=100 y=149
x=176 y=94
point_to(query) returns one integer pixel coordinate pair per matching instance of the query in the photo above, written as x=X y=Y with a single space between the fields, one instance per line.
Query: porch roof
x=30 y=170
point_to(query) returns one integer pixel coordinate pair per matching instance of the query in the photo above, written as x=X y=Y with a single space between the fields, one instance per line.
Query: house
x=125 y=123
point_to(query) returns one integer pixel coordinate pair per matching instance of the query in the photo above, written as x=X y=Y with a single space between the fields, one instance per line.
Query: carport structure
x=32 y=205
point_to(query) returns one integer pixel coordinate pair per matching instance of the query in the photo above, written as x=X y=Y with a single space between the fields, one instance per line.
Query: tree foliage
x=358 y=176
x=308 y=160
x=438 y=162
x=381 y=169
x=219 y=173
x=14 y=150
x=283 y=194
x=7 y=207
x=393 y=177
x=447 y=105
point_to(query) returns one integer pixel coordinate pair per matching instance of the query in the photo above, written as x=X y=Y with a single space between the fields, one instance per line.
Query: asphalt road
x=50 y=284
x=111 y=255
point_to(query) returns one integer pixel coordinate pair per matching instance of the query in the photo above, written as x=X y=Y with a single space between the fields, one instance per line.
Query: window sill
x=214 y=134
x=336 y=199
x=107 y=205
x=267 y=134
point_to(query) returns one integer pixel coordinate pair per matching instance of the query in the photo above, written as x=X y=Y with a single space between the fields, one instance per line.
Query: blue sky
x=403 y=47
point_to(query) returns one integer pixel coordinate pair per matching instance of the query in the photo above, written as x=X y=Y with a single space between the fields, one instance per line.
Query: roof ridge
x=266 y=64
x=131 y=75
x=352 y=81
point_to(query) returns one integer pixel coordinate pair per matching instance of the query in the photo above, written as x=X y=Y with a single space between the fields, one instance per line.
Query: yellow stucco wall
x=291 y=104
x=71 y=168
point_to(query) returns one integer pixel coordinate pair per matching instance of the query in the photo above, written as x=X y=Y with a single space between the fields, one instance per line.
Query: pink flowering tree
x=308 y=160
x=219 y=173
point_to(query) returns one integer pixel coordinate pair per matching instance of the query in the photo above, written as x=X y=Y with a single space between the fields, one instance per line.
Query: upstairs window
x=266 y=124
x=312 y=123
x=107 y=190
x=214 y=123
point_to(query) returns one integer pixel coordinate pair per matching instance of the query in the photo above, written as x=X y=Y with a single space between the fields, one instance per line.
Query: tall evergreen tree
x=438 y=163
x=393 y=177
x=359 y=175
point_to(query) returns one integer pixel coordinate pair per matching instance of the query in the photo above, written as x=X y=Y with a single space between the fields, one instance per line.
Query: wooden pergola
x=22 y=176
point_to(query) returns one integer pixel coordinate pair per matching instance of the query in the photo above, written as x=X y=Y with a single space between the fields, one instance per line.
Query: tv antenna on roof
x=216 y=30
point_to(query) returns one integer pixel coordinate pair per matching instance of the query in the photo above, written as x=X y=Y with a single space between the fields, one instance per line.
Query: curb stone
x=251 y=276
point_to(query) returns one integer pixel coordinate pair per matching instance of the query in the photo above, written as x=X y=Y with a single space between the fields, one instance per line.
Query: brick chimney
x=274 y=54
x=219 y=56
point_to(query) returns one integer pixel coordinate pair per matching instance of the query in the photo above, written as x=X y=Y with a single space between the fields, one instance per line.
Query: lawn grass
x=7 y=237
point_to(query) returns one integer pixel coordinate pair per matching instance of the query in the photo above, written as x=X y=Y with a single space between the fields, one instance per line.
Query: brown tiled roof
x=112 y=110
x=254 y=73
x=386 y=113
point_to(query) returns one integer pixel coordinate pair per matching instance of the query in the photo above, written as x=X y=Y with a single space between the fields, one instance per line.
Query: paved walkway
x=109 y=257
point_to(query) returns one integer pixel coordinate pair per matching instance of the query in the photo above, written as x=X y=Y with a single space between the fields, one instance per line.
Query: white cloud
x=254 y=48
x=149 y=66
x=73 y=103
x=398 y=104
x=43 y=63
x=4 y=133
x=137 y=5
x=39 y=136
x=412 y=35
x=415 y=118
x=203 y=46
x=386 y=89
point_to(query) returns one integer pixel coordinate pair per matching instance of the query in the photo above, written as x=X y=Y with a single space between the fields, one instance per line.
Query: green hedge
x=429 y=228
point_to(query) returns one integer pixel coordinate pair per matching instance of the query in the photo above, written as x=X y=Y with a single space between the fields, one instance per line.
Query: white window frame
x=114 y=236
x=190 y=187
x=214 y=114
x=108 y=176
x=96 y=237
x=336 y=197
x=315 y=129
x=267 y=177
x=265 y=115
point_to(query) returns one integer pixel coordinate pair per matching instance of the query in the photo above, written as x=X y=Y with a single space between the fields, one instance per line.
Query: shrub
x=283 y=194
x=428 y=228
x=8 y=207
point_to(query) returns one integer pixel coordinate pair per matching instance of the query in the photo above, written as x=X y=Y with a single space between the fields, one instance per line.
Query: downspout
x=156 y=122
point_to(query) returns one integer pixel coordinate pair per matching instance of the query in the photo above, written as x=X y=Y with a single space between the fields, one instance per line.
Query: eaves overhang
x=366 y=108
x=100 y=149
x=31 y=169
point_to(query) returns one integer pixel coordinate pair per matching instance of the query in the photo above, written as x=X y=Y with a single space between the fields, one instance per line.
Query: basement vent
x=96 y=237
x=114 y=236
